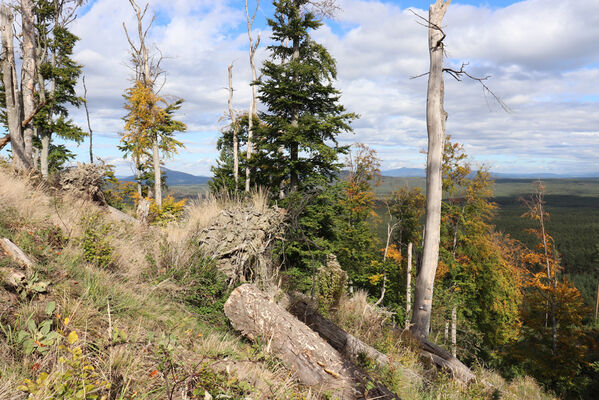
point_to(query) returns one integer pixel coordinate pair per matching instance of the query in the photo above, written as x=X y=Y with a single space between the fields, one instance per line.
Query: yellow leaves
x=66 y=321
x=394 y=254
x=73 y=337
x=375 y=279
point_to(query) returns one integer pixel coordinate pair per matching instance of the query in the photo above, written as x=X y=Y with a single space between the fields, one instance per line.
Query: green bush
x=95 y=242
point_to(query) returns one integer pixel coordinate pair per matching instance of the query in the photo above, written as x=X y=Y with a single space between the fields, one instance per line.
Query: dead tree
x=20 y=97
x=234 y=128
x=435 y=120
x=253 y=103
x=409 y=286
x=89 y=126
x=312 y=360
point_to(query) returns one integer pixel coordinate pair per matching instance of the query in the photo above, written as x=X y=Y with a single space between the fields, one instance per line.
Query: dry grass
x=142 y=312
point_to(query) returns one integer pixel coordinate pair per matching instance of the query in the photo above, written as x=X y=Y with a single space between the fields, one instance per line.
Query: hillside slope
x=114 y=310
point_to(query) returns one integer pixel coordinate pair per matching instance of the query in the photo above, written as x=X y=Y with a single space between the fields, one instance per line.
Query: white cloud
x=543 y=56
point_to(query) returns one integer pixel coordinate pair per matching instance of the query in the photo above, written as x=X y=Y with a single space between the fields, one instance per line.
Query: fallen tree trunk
x=348 y=345
x=443 y=359
x=314 y=362
x=15 y=253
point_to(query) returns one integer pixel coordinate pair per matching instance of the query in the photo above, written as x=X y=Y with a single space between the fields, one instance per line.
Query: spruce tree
x=297 y=142
x=57 y=77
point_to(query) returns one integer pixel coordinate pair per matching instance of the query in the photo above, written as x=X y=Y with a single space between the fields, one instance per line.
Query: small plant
x=95 y=243
x=33 y=286
x=171 y=210
x=39 y=338
x=75 y=378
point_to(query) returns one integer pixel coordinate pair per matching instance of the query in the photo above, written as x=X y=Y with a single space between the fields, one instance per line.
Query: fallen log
x=348 y=345
x=314 y=362
x=15 y=253
x=443 y=359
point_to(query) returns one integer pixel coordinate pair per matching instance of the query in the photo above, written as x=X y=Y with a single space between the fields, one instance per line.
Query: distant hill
x=421 y=173
x=176 y=178
x=405 y=172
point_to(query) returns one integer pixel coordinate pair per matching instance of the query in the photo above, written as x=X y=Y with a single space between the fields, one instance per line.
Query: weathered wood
x=313 y=361
x=15 y=253
x=435 y=123
x=348 y=345
x=443 y=359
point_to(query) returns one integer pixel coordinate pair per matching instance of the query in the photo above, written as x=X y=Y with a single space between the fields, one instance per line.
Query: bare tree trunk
x=28 y=74
x=157 y=173
x=409 y=285
x=454 y=321
x=597 y=304
x=234 y=127
x=44 y=153
x=89 y=126
x=14 y=106
x=253 y=105
x=435 y=118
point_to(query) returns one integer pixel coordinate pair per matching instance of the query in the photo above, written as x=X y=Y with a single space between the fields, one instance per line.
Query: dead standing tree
x=435 y=121
x=253 y=103
x=234 y=128
x=20 y=98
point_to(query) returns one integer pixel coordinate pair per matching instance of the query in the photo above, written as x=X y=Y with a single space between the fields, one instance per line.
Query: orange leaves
x=394 y=254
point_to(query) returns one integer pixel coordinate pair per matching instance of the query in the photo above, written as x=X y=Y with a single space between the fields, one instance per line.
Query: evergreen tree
x=57 y=76
x=303 y=117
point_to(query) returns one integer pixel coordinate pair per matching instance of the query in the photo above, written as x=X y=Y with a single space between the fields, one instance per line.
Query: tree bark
x=443 y=359
x=89 y=126
x=15 y=253
x=348 y=345
x=234 y=127
x=435 y=118
x=14 y=105
x=454 y=322
x=28 y=74
x=157 y=173
x=313 y=361
x=409 y=286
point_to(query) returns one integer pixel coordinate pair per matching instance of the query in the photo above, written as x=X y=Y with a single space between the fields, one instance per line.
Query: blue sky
x=542 y=55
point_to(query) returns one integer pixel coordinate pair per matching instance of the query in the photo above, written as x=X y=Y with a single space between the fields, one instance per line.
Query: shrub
x=95 y=242
x=171 y=210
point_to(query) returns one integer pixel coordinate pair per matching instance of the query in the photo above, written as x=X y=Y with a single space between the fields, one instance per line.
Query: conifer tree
x=303 y=116
x=57 y=75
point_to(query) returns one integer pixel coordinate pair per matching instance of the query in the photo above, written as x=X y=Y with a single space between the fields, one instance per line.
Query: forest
x=299 y=270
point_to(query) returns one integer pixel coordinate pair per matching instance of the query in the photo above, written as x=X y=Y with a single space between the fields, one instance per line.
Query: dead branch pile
x=240 y=240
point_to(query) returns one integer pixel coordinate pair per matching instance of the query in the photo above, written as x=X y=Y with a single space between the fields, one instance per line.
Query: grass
x=150 y=323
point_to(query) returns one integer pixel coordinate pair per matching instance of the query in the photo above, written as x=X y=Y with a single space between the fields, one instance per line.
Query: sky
x=542 y=57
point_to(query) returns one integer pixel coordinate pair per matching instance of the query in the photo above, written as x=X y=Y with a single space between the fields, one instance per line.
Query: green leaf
x=45 y=327
x=31 y=326
x=50 y=307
